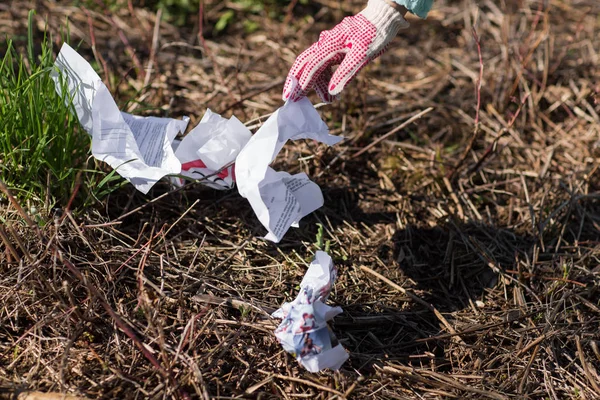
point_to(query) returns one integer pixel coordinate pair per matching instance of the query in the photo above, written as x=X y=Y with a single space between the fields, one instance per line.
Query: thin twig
x=124 y=326
x=304 y=382
x=393 y=131
x=416 y=298
x=251 y=95
x=451 y=175
x=95 y=51
x=492 y=147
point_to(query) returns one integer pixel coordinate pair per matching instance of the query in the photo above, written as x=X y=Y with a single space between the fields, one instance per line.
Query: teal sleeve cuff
x=418 y=7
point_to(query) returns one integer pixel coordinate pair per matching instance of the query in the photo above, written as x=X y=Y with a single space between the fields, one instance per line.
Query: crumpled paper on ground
x=304 y=331
x=143 y=149
x=212 y=145
x=279 y=199
x=139 y=148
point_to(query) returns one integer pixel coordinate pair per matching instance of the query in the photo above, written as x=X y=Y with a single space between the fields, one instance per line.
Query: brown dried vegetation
x=468 y=242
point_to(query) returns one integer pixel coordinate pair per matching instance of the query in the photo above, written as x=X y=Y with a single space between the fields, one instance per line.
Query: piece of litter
x=304 y=331
x=139 y=148
x=279 y=199
x=213 y=144
x=144 y=149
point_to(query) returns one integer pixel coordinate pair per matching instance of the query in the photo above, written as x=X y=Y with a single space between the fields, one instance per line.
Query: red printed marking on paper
x=200 y=164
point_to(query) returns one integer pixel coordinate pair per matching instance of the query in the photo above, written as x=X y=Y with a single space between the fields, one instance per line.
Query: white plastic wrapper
x=279 y=199
x=213 y=144
x=139 y=148
x=303 y=331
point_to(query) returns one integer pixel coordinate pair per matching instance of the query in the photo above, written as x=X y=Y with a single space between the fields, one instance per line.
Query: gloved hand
x=352 y=44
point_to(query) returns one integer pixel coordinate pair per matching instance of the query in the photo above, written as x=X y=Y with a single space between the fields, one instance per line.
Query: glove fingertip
x=287 y=89
x=336 y=88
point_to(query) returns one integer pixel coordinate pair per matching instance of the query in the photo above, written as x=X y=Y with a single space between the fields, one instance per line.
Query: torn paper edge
x=278 y=199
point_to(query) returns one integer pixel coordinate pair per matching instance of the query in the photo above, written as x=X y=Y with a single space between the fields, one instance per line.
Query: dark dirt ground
x=490 y=215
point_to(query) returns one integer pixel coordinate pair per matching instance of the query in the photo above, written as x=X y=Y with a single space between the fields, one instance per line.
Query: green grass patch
x=43 y=150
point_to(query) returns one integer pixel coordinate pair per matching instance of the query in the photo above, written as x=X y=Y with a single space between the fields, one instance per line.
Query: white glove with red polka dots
x=352 y=44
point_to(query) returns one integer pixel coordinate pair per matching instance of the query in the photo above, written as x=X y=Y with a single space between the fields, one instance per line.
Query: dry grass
x=468 y=242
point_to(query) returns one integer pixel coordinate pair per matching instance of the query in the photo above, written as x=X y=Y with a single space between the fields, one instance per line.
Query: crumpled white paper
x=279 y=199
x=139 y=148
x=303 y=331
x=213 y=144
x=143 y=149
